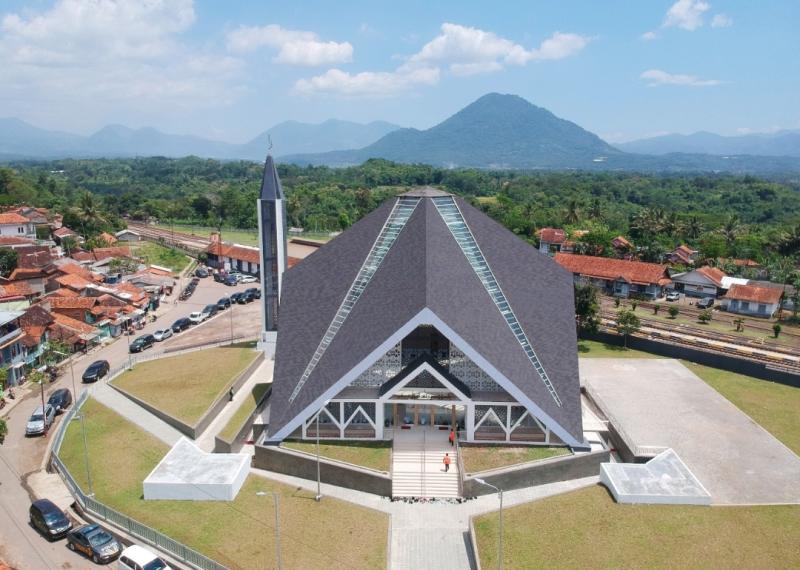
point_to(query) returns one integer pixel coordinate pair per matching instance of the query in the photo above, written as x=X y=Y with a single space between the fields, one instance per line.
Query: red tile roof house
x=752 y=300
x=683 y=254
x=701 y=282
x=13 y=224
x=73 y=332
x=34 y=322
x=617 y=277
x=35 y=266
x=551 y=240
x=228 y=256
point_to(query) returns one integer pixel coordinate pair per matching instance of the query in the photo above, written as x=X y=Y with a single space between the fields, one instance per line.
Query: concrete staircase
x=417 y=468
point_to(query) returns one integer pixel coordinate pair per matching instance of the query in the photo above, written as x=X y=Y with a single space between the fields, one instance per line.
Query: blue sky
x=229 y=70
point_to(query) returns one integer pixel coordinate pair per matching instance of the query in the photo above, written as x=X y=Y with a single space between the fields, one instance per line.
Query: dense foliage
x=722 y=215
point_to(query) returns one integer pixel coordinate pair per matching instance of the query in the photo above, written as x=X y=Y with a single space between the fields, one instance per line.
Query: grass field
x=185 y=386
x=587 y=529
x=594 y=349
x=482 y=457
x=155 y=254
x=773 y=406
x=371 y=454
x=239 y=534
x=245 y=409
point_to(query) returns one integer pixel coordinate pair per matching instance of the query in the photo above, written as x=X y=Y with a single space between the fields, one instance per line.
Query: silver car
x=41 y=420
x=162 y=334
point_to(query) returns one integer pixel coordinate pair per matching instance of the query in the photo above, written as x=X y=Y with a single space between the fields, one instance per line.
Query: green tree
x=627 y=324
x=731 y=229
x=3 y=431
x=673 y=311
x=693 y=228
x=8 y=261
x=705 y=316
x=776 y=328
x=572 y=215
x=587 y=307
x=739 y=324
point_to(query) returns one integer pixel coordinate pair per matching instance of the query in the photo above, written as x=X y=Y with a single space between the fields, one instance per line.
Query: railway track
x=169 y=236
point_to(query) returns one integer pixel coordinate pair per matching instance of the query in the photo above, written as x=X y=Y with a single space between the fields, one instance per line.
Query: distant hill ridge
x=781 y=143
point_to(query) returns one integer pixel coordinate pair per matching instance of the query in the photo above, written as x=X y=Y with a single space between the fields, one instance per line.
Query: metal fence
x=130 y=526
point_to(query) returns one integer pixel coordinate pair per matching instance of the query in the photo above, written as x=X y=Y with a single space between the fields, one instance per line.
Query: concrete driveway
x=660 y=402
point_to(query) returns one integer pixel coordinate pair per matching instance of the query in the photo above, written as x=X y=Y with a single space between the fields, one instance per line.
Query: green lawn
x=594 y=349
x=245 y=409
x=185 y=386
x=773 y=406
x=482 y=457
x=587 y=529
x=155 y=254
x=371 y=454
x=239 y=534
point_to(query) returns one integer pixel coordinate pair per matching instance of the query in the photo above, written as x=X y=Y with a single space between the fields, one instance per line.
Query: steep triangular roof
x=271 y=188
x=426 y=275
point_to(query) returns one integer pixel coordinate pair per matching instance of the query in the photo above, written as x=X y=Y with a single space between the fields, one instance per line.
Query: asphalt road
x=20 y=545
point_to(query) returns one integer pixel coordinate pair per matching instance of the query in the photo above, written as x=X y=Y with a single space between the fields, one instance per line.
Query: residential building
x=683 y=255
x=35 y=322
x=15 y=295
x=752 y=300
x=128 y=235
x=16 y=225
x=449 y=320
x=227 y=256
x=65 y=232
x=701 y=282
x=12 y=353
x=618 y=277
x=551 y=240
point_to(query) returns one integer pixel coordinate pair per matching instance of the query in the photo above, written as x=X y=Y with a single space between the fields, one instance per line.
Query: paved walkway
x=417 y=467
x=109 y=397
x=432 y=534
x=261 y=374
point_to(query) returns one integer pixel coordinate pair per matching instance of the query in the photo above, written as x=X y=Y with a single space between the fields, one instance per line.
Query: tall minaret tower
x=272 y=240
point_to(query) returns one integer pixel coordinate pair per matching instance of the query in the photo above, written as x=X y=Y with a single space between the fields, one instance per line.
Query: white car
x=162 y=334
x=673 y=296
x=248 y=279
x=136 y=557
x=197 y=317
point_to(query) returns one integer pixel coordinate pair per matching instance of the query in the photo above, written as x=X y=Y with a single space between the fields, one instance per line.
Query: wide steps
x=417 y=468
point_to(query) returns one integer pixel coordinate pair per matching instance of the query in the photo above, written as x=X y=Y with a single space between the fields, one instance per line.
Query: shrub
x=776 y=328
x=656 y=309
x=673 y=312
x=705 y=316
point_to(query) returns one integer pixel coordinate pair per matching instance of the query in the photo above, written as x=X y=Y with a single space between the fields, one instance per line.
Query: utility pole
x=500 y=533
x=277 y=525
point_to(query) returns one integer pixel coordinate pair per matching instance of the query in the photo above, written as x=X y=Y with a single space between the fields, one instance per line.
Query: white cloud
x=649 y=36
x=686 y=14
x=369 y=83
x=469 y=50
x=295 y=47
x=657 y=77
x=108 y=56
x=721 y=21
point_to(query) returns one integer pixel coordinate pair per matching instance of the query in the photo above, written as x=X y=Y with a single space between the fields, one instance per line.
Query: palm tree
x=731 y=229
x=790 y=241
x=595 y=210
x=673 y=224
x=572 y=215
x=90 y=212
x=693 y=227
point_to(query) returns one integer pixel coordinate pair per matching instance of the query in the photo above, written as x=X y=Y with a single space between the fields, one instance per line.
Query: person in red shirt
x=452 y=437
x=446 y=462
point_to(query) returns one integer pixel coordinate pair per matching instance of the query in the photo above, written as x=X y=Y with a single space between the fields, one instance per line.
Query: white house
x=701 y=282
x=13 y=224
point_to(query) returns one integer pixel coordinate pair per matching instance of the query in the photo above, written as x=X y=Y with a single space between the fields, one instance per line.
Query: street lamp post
x=277 y=524
x=319 y=478
x=230 y=310
x=83 y=426
x=500 y=535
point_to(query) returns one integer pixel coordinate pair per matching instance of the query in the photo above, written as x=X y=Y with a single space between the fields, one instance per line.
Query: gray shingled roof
x=426 y=268
x=271 y=188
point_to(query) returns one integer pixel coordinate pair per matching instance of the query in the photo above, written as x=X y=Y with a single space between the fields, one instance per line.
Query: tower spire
x=272 y=242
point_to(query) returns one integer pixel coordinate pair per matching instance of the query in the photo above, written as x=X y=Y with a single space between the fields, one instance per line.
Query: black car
x=247 y=297
x=236 y=296
x=223 y=303
x=96 y=370
x=61 y=399
x=705 y=303
x=143 y=342
x=231 y=280
x=210 y=310
x=219 y=277
x=201 y=272
x=49 y=520
x=181 y=325
x=255 y=291
x=95 y=542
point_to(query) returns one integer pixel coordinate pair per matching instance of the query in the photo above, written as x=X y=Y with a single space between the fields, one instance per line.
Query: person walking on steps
x=452 y=437
x=446 y=462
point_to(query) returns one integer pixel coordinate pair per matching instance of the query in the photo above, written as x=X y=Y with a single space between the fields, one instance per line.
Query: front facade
x=16 y=225
x=752 y=300
x=701 y=282
x=426 y=312
x=12 y=354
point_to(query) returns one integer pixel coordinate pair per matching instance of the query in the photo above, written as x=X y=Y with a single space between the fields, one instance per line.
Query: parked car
x=181 y=325
x=705 y=302
x=210 y=310
x=197 y=317
x=201 y=272
x=255 y=291
x=40 y=420
x=49 y=520
x=243 y=298
x=231 y=280
x=248 y=279
x=236 y=296
x=673 y=296
x=61 y=399
x=96 y=370
x=142 y=343
x=137 y=557
x=94 y=542
x=219 y=276
x=162 y=335
x=223 y=303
